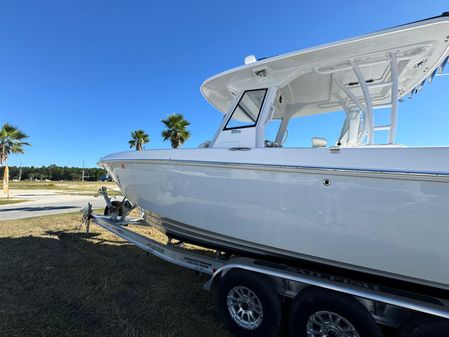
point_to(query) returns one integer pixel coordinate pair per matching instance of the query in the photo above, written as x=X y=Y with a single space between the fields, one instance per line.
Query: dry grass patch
x=57 y=281
x=10 y=201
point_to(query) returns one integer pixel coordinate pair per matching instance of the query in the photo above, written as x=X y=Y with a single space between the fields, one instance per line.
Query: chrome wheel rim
x=330 y=324
x=245 y=307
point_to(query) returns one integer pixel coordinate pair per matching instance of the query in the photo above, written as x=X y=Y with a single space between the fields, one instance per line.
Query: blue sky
x=78 y=76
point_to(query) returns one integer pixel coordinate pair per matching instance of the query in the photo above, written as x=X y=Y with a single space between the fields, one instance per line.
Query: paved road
x=46 y=203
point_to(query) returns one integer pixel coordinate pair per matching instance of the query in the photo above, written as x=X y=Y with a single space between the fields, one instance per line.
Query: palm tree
x=176 y=129
x=138 y=138
x=11 y=141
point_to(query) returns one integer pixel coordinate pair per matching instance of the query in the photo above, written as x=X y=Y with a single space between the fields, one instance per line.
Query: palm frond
x=11 y=141
x=138 y=139
x=175 y=129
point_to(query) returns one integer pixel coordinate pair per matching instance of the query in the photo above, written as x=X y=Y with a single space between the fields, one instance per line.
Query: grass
x=72 y=187
x=11 y=201
x=56 y=281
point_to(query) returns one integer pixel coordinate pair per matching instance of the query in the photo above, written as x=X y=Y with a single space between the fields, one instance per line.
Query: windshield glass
x=247 y=111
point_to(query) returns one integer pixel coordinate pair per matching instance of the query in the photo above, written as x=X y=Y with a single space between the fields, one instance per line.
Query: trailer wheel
x=322 y=313
x=115 y=209
x=248 y=304
x=424 y=327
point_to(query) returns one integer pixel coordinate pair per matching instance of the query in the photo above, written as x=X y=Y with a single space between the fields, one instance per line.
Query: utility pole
x=20 y=172
x=82 y=175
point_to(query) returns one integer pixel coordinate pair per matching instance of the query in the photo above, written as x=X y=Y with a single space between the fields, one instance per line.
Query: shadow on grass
x=38 y=208
x=73 y=284
x=77 y=284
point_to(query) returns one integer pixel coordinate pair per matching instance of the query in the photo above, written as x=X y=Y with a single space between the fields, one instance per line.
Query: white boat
x=381 y=209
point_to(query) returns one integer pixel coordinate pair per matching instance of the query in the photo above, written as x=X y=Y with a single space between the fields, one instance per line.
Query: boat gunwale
x=340 y=171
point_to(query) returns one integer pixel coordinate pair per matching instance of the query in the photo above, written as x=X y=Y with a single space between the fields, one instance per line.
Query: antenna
x=250 y=59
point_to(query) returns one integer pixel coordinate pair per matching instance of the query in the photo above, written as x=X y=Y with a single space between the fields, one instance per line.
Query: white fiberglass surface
x=373 y=158
x=375 y=223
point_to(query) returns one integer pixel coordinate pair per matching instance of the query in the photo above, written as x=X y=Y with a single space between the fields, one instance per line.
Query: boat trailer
x=388 y=306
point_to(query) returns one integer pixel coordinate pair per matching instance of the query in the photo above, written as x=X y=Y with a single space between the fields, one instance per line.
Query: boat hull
x=383 y=223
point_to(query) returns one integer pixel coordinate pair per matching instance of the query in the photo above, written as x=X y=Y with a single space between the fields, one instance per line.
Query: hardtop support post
x=394 y=98
x=282 y=129
x=368 y=103
x=266 y=113
x=359 y=104
x=349 y=93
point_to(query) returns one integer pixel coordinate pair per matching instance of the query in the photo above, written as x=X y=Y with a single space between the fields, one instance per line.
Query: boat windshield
x=247 y=110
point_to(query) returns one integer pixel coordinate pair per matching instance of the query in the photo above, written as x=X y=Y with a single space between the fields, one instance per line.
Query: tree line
x=56 y=173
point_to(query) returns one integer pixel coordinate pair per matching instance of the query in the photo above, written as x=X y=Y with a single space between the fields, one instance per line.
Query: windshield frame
x=237 y=106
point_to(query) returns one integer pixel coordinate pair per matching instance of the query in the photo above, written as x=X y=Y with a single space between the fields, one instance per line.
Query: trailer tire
x=115 y=209
x=328 y=313
x=248 y=304
x=424 y=326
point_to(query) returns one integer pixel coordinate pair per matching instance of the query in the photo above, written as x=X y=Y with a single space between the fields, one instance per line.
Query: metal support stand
x=87 y=216
x=104 y=192
x=125 y=207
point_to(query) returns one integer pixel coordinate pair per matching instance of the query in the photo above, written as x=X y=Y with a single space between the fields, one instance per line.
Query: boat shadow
x=67 y=283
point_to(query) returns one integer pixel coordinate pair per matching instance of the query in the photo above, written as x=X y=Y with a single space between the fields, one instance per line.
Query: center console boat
x=358 y=204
